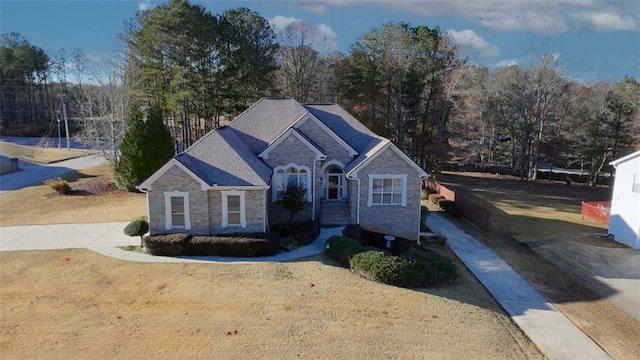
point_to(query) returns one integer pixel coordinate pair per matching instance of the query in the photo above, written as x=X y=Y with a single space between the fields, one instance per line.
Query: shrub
x=60 y=185
x=381 y=267
x=352 y=231
x=288 y=243
x=282 y=229
x=306 y=232
x=166 y=245
x=435 y=197
x=137 y=227
x=342 y=248
x=436 y=269
x=444 y=203
x=424 y=194
x=238 y=245
x=453 y=211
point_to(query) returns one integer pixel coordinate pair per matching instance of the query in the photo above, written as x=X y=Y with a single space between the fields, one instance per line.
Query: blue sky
x=594 y=39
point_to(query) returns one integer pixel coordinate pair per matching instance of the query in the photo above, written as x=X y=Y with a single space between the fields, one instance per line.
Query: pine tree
x=145 y=148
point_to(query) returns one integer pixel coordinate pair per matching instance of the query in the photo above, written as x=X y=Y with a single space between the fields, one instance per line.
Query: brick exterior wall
x=295 y=151
x=198 y=202
x=398 y=220
x=254 y=213
x=332 y=148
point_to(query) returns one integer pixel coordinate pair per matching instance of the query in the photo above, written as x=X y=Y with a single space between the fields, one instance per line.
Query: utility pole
x=59 y=138
x=66 y=122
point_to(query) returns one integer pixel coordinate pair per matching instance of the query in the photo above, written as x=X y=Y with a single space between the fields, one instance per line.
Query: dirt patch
x=75 y=303
x=529 y=213
x=94 y=198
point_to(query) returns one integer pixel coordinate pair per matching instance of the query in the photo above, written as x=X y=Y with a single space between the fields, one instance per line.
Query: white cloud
x=507 y=63
x=549 y=17
x=280 y=22
x=318 y=9
x=144 y=5
x=472 y=43
x=327 y=39
x=605 y=22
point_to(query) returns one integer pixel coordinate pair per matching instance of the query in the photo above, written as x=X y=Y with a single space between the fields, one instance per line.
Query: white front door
x=334 y=186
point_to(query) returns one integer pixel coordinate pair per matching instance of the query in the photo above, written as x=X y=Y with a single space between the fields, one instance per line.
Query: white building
x=624 y=224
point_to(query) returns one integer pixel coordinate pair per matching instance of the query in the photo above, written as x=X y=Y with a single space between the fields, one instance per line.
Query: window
x=291 y=174
x=233 y=213
x=387 y=190
x=176 y=206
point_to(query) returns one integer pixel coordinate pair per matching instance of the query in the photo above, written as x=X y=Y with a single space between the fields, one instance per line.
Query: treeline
x=406 y=82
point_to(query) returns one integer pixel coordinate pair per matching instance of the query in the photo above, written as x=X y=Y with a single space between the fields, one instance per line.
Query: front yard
x=75 y=303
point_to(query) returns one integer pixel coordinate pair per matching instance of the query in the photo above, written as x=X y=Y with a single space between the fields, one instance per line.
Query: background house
x=230 y=180
x=624 y=223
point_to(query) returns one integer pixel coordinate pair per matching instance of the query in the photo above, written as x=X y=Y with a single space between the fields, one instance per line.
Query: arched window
x=290 y=174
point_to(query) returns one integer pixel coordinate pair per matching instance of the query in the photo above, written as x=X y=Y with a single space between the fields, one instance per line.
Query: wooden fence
x=478 y=215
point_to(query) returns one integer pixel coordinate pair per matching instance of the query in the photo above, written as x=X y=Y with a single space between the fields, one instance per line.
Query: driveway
x=34 y=174
x=613 y=273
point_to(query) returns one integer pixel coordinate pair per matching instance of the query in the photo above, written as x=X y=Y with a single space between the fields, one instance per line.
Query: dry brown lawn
x=39 y=155
x=523 y=213
x=94 y=199
x=79 y=304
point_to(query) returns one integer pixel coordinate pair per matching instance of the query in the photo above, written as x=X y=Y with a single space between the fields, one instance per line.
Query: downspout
x=266 y=210
x=358 y=204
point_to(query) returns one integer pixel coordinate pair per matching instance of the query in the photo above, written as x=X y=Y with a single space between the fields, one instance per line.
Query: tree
x=294 y=199
x=145 y=148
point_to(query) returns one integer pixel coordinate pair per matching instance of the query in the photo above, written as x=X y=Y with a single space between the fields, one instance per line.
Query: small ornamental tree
x=137 y=227
x=145 y=148
x=294 y=199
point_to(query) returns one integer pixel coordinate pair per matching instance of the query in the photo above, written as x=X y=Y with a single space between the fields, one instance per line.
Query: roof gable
x=625 y=158
x=343 y=124
x=319 y=153
x=376 y=148
x=170 y=164
x=310 y=117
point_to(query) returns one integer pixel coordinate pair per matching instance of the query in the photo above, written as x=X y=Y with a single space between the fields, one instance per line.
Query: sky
x=592 y=39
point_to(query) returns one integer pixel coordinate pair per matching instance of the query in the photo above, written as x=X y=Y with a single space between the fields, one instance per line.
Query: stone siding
x=398 y=220
x=254 y=213
x=177 y=180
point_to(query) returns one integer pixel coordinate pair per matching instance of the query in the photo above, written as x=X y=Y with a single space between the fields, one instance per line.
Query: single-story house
x=624 y=222
x=230 y=180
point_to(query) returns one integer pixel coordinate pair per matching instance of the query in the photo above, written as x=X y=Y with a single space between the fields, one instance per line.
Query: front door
x=334 y=186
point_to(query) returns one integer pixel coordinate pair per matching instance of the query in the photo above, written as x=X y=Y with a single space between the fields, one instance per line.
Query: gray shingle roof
x=376 y=143
x=261 y=123
x=221 y=158
x=352 y=131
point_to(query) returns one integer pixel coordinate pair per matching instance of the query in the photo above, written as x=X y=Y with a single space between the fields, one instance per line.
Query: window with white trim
x=233 y=209
x=290 y=174
x=176 y=205
x=387 y=190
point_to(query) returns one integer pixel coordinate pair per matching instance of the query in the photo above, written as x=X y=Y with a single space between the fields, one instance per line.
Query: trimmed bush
x=137 y=227
x=305 y=233
x=288 y=243
x=60 y=185
x=342 y=248
x=352 y=231
x=436 y=269
x=249 y=245
x=444 y=203
x=435 y=197
x=166 y=245
x=282 y=229
x=381 y=267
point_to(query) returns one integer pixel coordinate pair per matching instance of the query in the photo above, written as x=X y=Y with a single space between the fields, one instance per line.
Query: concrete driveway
x=32 y=173
x=613 y=273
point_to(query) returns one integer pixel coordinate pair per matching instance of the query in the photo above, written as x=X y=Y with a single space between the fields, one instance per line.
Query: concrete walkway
x=104 y=238
x=555 y=335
